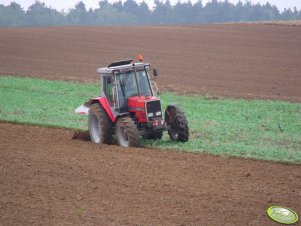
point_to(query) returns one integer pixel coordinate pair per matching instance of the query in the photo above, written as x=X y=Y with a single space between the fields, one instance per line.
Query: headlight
x=150 y=114
x=158 y=113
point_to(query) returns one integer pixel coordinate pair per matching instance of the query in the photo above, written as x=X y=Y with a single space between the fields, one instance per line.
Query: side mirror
x=155 y=71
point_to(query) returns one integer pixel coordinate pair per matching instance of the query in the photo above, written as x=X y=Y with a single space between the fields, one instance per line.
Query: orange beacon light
x=140 y=58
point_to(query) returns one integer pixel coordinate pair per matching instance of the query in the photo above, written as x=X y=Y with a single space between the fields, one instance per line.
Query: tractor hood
x=145 y=108
x=137 y=103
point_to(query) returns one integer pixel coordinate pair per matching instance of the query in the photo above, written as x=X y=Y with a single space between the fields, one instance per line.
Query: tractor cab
x=129 y=107
x=126 y=85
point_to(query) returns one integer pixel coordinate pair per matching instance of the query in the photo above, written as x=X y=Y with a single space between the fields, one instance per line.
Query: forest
x=133 y=13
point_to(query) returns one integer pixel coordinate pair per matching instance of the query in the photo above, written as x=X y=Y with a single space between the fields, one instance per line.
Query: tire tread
x=132 y=131
x=106 y=125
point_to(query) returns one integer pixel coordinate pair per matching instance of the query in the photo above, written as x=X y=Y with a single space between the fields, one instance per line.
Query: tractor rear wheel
x=127 y=134
x=100 y=125
x=153 y=136
x=175 y=118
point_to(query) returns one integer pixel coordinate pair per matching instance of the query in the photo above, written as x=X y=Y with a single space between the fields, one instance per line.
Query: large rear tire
x=175 y=118
x=127 y=134
x=100 y=125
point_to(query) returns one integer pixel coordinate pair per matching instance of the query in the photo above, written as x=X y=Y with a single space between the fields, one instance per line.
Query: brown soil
x=48 y=178
x=235 y=60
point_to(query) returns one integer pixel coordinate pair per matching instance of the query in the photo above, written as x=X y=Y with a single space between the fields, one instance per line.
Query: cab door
x=108 y=90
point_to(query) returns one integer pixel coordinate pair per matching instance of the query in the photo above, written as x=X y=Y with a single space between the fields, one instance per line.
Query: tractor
x=129 y=107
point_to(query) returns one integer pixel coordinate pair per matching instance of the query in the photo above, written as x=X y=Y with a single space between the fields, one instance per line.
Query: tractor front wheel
x=175 y=118
x=127 y=134
x=100 y=125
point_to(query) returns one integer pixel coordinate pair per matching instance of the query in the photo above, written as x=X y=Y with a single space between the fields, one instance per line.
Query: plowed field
x=48 y=178
x=245 y=60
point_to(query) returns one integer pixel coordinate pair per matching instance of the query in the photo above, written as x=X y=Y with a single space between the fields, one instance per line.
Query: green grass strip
x=260 y=129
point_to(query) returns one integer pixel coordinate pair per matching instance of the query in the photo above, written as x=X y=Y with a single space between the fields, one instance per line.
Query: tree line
x=132 y=13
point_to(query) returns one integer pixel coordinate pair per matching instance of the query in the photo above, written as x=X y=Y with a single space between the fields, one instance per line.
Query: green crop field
x=260 y=129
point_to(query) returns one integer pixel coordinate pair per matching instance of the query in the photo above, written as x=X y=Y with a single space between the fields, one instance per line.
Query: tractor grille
x=153 y=110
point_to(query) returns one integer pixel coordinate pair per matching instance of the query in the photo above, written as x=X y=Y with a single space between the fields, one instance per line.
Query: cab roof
x=122 y=66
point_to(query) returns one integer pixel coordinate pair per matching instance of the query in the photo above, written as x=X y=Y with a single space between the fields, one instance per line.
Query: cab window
x=108 y=89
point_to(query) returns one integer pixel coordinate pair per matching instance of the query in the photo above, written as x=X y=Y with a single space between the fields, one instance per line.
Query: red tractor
x=129 y=107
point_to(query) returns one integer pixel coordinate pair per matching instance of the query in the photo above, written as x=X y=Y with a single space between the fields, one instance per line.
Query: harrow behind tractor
x=129 y=107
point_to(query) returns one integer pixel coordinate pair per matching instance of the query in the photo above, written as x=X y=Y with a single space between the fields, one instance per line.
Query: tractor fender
x=104 y=103
x=121 y=115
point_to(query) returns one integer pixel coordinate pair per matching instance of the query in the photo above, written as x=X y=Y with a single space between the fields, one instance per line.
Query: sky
x=67 y=4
